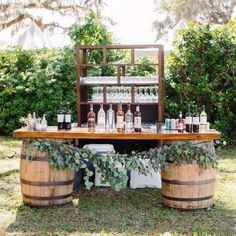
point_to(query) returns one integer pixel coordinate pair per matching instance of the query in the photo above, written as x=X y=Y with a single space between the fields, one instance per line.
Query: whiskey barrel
x=41 y=185
x=188 y=186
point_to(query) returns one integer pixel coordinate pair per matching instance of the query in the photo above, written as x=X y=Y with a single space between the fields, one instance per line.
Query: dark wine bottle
x=196 y=121
x=67 y=117
x=60 y=117
x=137 y=119
x=189 y=121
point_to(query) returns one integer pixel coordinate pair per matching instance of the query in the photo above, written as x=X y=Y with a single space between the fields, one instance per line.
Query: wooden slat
x=120 y=46
x=82 y=133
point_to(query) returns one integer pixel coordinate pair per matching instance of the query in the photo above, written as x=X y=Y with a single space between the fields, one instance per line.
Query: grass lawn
x=106 y=212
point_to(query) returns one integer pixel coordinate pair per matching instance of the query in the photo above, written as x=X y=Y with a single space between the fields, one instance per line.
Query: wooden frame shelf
x=82 y=71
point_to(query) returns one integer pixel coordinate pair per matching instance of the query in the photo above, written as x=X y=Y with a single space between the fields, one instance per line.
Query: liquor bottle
x=67 y=117
x=110 y=122
x=101 y=122
x=44 y=123
x=180 y=123
x=137 y=119
x=120 y=119
x=91 y=120
x=196 y=121
x=60 y=117
x=189 y=121
x=203 y=120
x=34 y=119
x=128 y=120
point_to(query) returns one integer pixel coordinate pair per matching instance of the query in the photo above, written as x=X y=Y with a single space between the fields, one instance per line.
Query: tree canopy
x=15 y=12
x=171 y=12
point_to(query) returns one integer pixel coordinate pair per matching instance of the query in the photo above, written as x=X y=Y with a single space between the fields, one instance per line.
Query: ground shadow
x=129 y=212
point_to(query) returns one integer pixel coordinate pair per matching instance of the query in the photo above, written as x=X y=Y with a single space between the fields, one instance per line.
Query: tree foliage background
x=202 y=70
x=171 y=12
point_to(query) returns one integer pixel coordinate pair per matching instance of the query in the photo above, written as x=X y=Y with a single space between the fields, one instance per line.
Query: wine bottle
x=196 y=121
x=120 y=119
x=67 y=117
x=189 y=121
x=60 y=117
x=128 y=120
x=110 y=121
x=44 y=123
x=180 y=123
x=101 y=122
x=203 y=120
x=137 y=119
x=91 y=120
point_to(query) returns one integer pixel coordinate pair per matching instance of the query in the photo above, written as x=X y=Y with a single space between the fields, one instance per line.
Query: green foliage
x=94 y=32
x=60 y=156
x=201 y=70
x=183 y=153
x=113 y=167
x=34 y=81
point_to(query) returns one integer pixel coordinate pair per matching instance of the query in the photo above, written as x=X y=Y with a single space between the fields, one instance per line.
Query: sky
x=133 y=20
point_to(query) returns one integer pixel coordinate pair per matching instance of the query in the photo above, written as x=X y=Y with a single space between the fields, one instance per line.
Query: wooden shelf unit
x=82 y=71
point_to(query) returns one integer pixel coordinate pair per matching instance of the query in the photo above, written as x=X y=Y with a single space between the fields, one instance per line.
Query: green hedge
x=202 y=70
x=35 y=81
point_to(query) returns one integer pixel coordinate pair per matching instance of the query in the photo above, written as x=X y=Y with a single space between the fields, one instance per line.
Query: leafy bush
x=35 y=81
x=201 y=70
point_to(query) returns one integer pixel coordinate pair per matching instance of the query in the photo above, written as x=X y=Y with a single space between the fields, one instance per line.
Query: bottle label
x=68 y=118
x=101 y=120
x=188 y=120
x=180 y=126
x=203 y=120
x=91 y=123
x=196 y=120
x=120 y=121
x=60 y=118
x=137 y=122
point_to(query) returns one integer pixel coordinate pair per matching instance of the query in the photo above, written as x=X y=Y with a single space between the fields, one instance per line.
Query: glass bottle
x=137 y=119
x=203 y=120
x=44 y=123
x=120 y=119
x=91 y=120
x=189 y=121
x=101 y=122
x=180 y=123
x=60 y=117
x=67 y=117
x=196 y=121
x=110 y=121
x=128 y=120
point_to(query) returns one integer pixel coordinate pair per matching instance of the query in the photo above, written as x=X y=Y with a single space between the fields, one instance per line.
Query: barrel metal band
x=177 y=182
x=47 y=198
x=44 y=184
x=37 y=158
x=188 y=199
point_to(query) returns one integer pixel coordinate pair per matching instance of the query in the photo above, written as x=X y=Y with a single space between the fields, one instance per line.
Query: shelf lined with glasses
x=107 y=80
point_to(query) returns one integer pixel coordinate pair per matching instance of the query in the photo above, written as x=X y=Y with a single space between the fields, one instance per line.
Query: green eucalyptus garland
x=114 y=166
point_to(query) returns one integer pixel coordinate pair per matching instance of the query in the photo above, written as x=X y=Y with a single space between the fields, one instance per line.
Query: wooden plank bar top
x=82 y=133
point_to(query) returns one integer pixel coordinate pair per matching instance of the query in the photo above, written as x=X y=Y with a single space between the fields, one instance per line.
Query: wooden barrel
x=188 y=186
x=43 y=186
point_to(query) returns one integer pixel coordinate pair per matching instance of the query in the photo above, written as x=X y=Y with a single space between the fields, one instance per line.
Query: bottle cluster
x=37 y=124
x=193 y=122
x=64 y=116
x=110 y=121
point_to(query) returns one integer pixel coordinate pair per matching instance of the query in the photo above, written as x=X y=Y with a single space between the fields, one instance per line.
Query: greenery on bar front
x=114 y=166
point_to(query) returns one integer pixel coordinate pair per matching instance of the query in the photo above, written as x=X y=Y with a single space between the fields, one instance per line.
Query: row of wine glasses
x=117 y=94
x=146 y=94
x=123 y=79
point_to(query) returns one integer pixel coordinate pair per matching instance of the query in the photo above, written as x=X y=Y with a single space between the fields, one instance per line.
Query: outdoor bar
x=188 y=188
